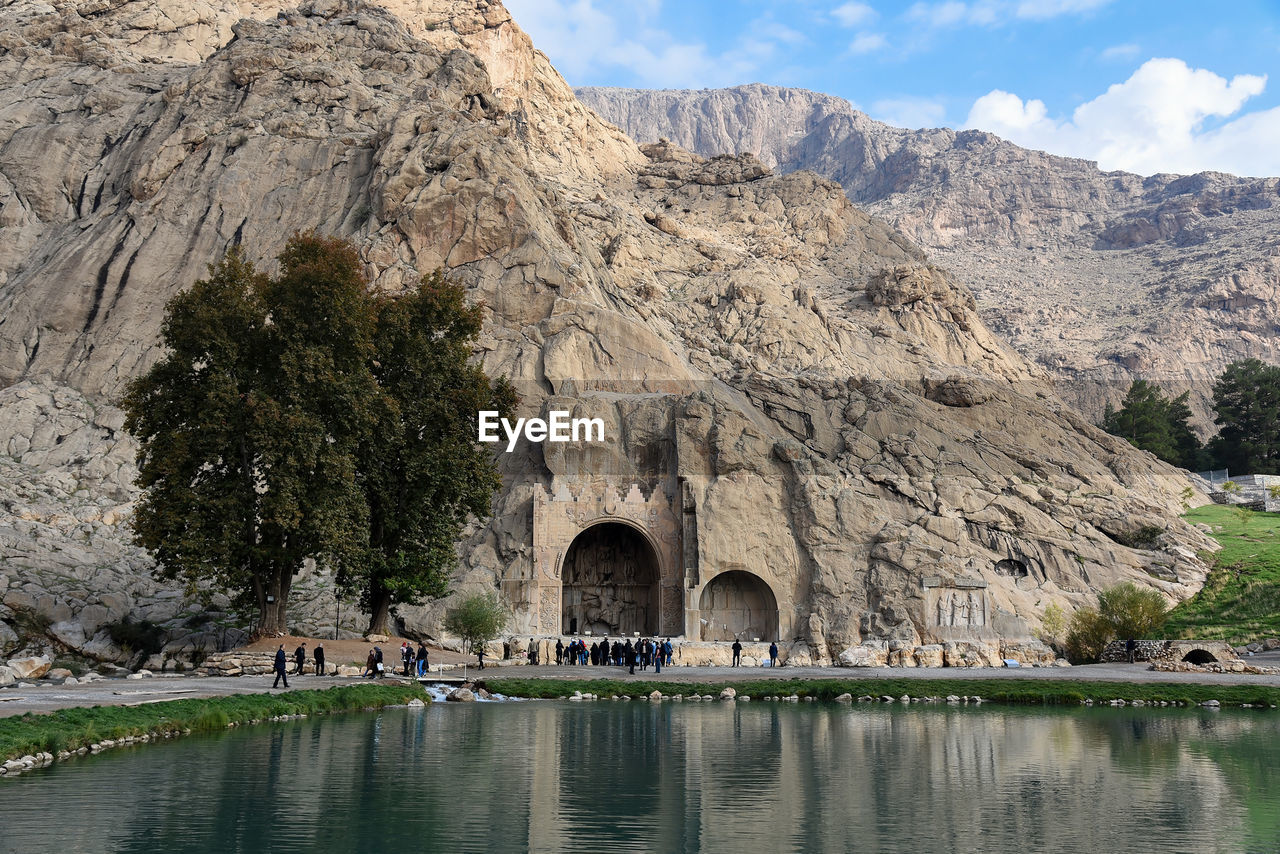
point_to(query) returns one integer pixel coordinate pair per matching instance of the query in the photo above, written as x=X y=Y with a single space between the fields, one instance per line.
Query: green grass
x=71 y=729
x=1027 y=691
x=1240 y=601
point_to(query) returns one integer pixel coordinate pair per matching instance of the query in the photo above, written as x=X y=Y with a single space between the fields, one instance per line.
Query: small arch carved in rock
x=1013 y=568
x=1199 y=656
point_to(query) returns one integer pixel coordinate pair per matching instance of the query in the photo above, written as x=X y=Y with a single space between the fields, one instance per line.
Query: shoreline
x=34 y=740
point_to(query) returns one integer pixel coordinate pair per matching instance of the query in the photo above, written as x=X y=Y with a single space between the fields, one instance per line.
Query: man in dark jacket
x=319 y=657
x=737 y=652
x=423 y=658
x=282 y=665
x=299 y=658
x=379 y=669
x=773 y=654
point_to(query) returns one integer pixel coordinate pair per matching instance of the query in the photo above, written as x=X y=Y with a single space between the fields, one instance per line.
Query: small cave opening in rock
x=738 y=605
x=610 y=578
x=1013 y=567
x=1199 y=656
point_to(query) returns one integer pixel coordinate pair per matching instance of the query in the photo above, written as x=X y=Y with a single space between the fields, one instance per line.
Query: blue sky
x=1174 y=86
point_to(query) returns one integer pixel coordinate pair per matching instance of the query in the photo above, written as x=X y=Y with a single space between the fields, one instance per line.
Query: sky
x=1175 y=86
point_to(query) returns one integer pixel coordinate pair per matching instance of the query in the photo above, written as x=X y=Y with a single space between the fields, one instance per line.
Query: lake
x=634 y=776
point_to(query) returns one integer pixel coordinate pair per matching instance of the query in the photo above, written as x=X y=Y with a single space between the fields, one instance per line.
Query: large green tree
x=248 y=427
x=1246 y=398
x=302 y=417
x=421 y=469
x=1153 y=422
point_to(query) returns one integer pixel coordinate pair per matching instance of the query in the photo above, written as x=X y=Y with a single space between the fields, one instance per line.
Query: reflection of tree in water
x=610 y=581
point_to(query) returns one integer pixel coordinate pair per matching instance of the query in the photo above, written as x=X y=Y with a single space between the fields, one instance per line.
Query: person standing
x=319 y=657
x=299 y=658
x=773 y=654
x=1131 y=650
x=406 y=658
x=370 y=666
x=559 y=652
x=379 y=666
x=737 y=652
x=282 y=666
x=629 y=655
x=480 y=655
x=423 y=658
x=668 y=650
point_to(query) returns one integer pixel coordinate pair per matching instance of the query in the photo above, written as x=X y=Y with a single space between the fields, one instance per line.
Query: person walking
x=773 y=654
x=424 y=662
x=629 y=655
x=319 y=657
x=480 y=655
x=282 y=666
x=737 y=652
x=299 y=658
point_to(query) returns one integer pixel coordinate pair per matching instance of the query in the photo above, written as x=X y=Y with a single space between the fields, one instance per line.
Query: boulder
x=416 y=703
x=461 y=695
x=870 y=654
x=970 y=654
x=655 y=696
x=7 y=676
x=59 y=673
x=728 y=694
x=929 y=655
x=30 y=668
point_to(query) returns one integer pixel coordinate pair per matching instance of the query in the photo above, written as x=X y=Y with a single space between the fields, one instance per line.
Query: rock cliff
x=769 y=360
x=1102 y=277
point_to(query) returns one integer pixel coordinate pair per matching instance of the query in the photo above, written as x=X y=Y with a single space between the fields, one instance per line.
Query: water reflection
x=694 y=777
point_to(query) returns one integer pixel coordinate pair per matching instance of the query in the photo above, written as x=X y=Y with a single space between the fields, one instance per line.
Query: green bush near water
x=71 y=729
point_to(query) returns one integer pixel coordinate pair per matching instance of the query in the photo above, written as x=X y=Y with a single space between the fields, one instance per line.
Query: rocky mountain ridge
x=1102 y=277
x=768 y=357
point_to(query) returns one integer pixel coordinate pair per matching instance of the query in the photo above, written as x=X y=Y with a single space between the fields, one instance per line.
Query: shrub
x=1053 y=624
x=1124 y=611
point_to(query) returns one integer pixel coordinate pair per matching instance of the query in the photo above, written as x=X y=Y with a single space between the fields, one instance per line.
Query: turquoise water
x=619 y=777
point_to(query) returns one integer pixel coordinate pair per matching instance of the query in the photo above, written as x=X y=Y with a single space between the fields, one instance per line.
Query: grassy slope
x=71 y=729
x=1014 y=691
x=1240 y=601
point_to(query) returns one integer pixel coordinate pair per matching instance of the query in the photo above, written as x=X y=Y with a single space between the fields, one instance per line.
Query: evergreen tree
x=301 y=417
x=421 y=469
x=1154 y=423
x=1246 y=398
x=248 y=426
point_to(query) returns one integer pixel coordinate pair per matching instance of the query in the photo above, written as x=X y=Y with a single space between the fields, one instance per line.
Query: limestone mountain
x=1102 y=277
x=810 y=433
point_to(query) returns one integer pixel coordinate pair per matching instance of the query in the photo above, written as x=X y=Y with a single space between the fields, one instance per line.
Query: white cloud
x=867 y=43
x=950 y=13
x=853 y=14
x=1041 y=9
x=1121 y=51
x=909 y=112
x=1152 y=122
x=584 y=37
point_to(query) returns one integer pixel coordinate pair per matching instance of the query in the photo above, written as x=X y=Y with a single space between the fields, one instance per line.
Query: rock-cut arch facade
x=606 y=560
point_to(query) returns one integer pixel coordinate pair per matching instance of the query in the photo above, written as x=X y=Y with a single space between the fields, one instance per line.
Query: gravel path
x=46 y=697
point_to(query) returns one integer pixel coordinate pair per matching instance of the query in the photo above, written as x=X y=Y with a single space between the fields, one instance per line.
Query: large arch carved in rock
x=610 y=582
x=738 y=604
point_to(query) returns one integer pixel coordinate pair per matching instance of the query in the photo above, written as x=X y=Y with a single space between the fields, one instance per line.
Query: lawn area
x=1031 y=692
x=70 y=729
x=1240 y=601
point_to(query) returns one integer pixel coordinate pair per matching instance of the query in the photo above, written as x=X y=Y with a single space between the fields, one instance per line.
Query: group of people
x=645 y=652
x=299 y=662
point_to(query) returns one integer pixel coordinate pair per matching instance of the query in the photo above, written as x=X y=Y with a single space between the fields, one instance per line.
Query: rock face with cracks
x=820 y=407
x=1101 y=277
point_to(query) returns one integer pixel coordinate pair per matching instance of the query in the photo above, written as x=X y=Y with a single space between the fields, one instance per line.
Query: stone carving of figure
x=942 y=611
x=975 y=609
x=951 y=609
x=964 y=611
